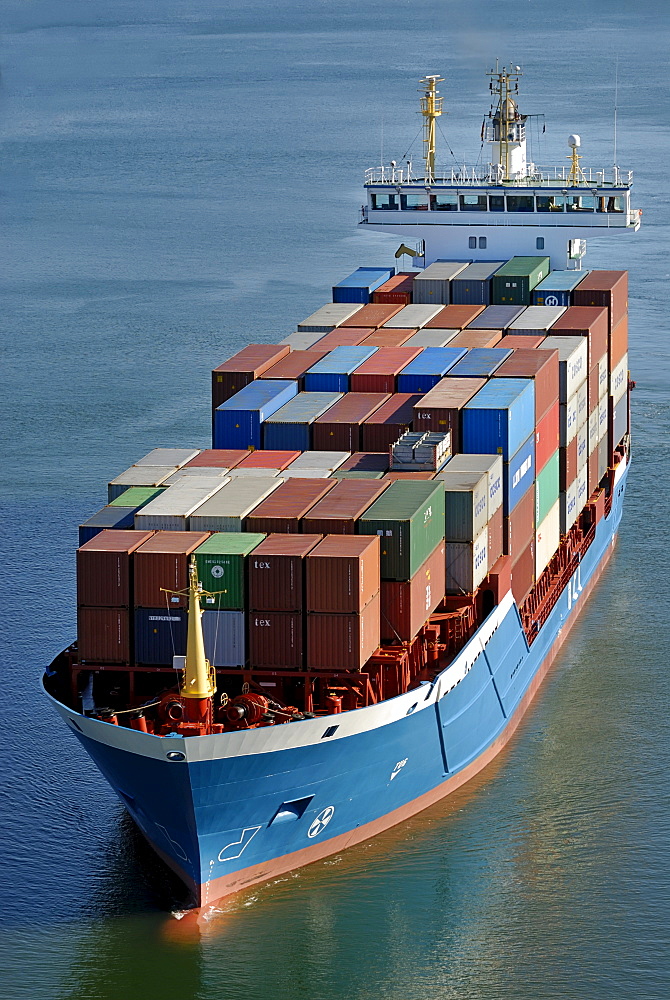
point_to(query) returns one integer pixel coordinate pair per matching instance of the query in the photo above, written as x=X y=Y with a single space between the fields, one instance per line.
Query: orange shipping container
x=476 y=338
x=344 y=337
x=406 y=606
x=276 y=572
x=454 y=317
x=388 y=338
x=343 y=574
x=338 y=512
x=375 y=314
x=514 y=340
x=397 y=290
x=604 y=288
x=218 y=458
x=245 y=366
x=342 y=642
x=618 y=344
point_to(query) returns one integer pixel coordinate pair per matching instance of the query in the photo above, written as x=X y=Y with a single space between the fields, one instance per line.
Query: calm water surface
x=182 y=178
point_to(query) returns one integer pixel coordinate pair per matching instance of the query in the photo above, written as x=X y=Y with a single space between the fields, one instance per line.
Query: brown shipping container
x=366 y=461
x=514 y=340
x=283 y=510
x=276 y=639
x=542 y=367
x=104 y=578
x=343 y=574
x=103 y=635
x=344 y=337
x=388 y=338
x=378 y=373
x=593 y=477
x=342 y=642
x=567 y=463
x=217 y=458
x=440 y=409
x=392 y=476
x=269 y=459
x=397 y=290
x=338 y=512
x=406 y=606
x=389 y=422
x=339 y=428
x=496 y=532
x=245 y=366
x=498 y=582
x=618 y=343
x=454 y=317
x=593 y=388
x=276 y=571
x=375 y=314
x=162 y=561
x=604 y=288
x=585 y=321
x=295 y=364
x=523 y=573
x=519 y=527
x=476 y=338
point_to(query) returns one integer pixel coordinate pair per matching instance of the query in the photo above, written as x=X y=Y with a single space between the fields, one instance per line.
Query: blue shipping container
x=223 y=632
x=108 y=517
x=359 y=286
x=499 y=418
x=518 y=475
x=495 y=318
x=331 y=374
x=289 y=429
x=556 y=289
x=428 y=368
x=480 y=362
x=237 y=422
x=160 y=634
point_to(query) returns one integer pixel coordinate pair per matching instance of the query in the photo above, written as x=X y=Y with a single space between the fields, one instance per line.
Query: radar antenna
x=431 y=108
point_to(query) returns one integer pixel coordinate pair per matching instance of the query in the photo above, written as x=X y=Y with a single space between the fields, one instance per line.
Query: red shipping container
x=520 y=525
x=375 y=314
x=604 y=288
x=593 y=477
x=514 y=340
x=276 y=571
x=163 y=561
x=276 y=639
x=104 y=578
x=547 y=436
x=379 y=373
x=103 y=635
x=495 y=585
x=593 y=388
x=389 y=422
x=245 y=366
x=338 y=512
x=567 y=463
x=542 y=367
x=344 y=337
x=343 y=642
x=523 y=573
x=406 y=606
x=585 y=321
x=295 y=364
x=476 y=338
x=339 y=428
x=218 y=458
x=618 y=343
x=268 y=459
x=343 y=574
x=366 y=461
x=454 y=317
x=397 y=290
x=283 y=510
x=388 y=338
x=392 y=476
x=440 y=409
x=496 y=535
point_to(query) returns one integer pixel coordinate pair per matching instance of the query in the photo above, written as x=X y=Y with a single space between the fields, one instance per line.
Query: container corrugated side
x=455 y=317
x=547 y=436
x=118 y=518
x=407 y=605
x=343 y=573
x=397 y=290
x=492 y=466
x=221 y=563
x=409 y=519
x=374 y=315
x=228 y=509
x=556 y=289
x=160 y=634
x=339 y=510
x=340 y=428
x=245 y=366
x=514 y=282
x=499 y=417
x=104 y=635
x=342 y=642
x=327 y=461
x=172 y=509
x=496 y=317
x=466 y=564
x=591 y=322
x=572 y=362
x=359 y=286
x=224 y=635
x=331 y=373
x=379 y=373
x=479 y=362
x=604 y=288
x=290 y=427
x=441 y=408
x=433 y=285
x=237 y=422
x=474 y=283
x=294 y=365
x=276 y=639
x=389 y=422
x=547 y=538
x=104 y=569
x=518 y=474
x=540 y=365
x=547 y=487
x=162 y=562
x=465 y=504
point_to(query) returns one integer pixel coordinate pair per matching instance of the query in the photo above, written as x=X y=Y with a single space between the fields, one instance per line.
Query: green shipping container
x=137 y=496
x=409 y=518
x=221 y=562
x=513 y=283
x=547 y=487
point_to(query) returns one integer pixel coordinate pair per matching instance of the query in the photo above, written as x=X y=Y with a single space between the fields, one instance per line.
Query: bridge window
x=384 y=202
x=473 y=202
x=414 y=202
x=482 y=243
x=581 y=203
x=550 y=203
x=520 y=203
x=444 y=202
x=539 y=243
x=497 y=203
x=472 y=242
x=613 y=204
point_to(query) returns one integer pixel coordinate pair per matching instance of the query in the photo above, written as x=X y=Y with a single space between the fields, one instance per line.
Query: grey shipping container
x=138 y=475
x=431 y=338
x=169 y=456
x=492 y=465
x=473 y=285
x=433 y=285
x=228 y=508
x=223 y=632
x=328 y=317
x=412 y=317
x=465 y=504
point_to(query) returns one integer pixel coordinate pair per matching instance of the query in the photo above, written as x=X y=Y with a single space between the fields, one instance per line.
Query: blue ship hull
x=228 y=810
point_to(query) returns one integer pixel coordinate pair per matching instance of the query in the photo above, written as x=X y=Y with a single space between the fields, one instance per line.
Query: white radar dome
x=574 y=142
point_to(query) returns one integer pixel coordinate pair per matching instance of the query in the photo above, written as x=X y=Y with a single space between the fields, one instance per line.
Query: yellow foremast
x=431 y=109
x=198 y=680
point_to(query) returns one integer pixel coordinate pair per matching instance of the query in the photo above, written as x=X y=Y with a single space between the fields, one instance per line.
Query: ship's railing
x=490 y=174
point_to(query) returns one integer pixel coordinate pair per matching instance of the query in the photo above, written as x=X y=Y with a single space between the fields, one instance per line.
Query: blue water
x=179 y=179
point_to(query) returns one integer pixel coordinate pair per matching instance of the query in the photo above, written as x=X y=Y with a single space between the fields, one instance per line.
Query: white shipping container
x=536 y=320
x=603 y=376
x=568 y=507
x=197 y=475
x=138 y=475
x=467 y=563
x=329 y=316
x=572 y=362
x=582 y=395
x=412 y=317
x=245 y=473
x=227 y=510
x=568 y=420
x=547 y=538
x=582 y=488
x=619 y=380
x=307 y=473
x=594 y=432
x=169 y=456
x=302 y=341
x=431 y=338
x=326 y=460
x=603 y=418
x=171 y=510
x=582 y=446
x=492 y=465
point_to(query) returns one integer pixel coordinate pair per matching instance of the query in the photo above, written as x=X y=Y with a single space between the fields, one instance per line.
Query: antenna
x=381 y=144
x=616 y=106
x=431 y=108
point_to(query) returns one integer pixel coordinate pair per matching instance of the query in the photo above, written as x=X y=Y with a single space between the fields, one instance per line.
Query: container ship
x=339 y=613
